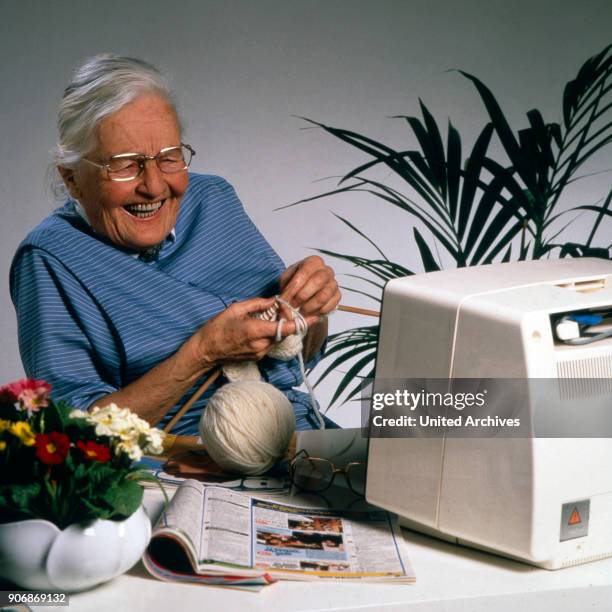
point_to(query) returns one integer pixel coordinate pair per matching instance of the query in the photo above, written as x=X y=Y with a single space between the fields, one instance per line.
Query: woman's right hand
x=235 y=335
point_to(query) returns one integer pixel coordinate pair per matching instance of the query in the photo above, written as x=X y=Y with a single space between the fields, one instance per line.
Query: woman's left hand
x=311 y=286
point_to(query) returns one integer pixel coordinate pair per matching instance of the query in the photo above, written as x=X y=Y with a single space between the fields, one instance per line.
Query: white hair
x=100 y=87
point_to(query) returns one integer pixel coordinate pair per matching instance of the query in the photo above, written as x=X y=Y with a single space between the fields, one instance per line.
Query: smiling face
x=140 y=213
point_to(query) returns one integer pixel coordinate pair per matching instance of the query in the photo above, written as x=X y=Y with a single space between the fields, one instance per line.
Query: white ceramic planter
x=35 y=554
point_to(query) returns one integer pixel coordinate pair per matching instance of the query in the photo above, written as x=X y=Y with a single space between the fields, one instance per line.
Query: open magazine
x=215 y=535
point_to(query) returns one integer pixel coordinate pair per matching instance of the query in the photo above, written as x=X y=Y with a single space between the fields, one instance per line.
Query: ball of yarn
x=247 y=426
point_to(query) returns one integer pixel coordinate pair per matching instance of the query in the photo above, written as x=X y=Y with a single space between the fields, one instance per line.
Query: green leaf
x=542 y=136
x=101 y=475
x=55 y=417
x=594 y=112
x=429 y=263
x=602 y=210
x=437 y=217
x=484 y=208
x=430 y=141
x=124 y=497
x=436 y=158
x=605 y=210
x=96 y=508
x=367 y=280
x=453 y=169
x=578 y=88
x=471 y=176
x=503 y=242
x=383 y=269
x=381 y=152
x=433 y=194
x=505 y=134
x=23 y=495
x=574 y=249
x=493 y=234
x=520 y=198
x=352 y=373
x=365 y=337
x=582 y=98
x=395 y=198
x=437 y=230
x=345 y=356
x=359 y=292
x=358 y=387
x=357 y=231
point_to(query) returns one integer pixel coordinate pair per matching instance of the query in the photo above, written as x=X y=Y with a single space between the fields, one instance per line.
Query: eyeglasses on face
x=128 y=166
x=316 y=474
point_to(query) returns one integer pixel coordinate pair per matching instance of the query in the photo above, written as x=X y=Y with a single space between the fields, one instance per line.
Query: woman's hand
x=234 y=335
x=311 y=286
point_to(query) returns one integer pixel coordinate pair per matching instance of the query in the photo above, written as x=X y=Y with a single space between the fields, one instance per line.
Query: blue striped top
x=92 y=318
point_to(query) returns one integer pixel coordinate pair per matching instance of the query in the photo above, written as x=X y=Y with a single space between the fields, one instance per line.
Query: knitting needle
x=362 y=311
x=193 y=399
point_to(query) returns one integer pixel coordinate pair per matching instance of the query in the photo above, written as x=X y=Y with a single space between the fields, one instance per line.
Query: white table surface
x=449 y=578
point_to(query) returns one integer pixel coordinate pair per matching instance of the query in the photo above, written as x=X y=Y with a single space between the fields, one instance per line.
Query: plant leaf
x=429 y=263
x=453 y=169
x=345 y=356
x=124 y=497
x=471 y=176
x=430 y=141
x=352 y=373
x=605 y=209
x=357 y=231
x=505 y=134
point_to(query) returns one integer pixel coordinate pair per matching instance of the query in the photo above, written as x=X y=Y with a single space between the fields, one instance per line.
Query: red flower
x=94 y=451
x=52 y=448
x=31 y=394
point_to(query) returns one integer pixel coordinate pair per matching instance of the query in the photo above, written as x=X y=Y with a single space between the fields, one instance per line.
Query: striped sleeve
x=53 y=343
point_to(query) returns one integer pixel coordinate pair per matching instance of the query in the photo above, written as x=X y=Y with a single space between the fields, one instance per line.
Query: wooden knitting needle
x=193 y=399
x=362 y=311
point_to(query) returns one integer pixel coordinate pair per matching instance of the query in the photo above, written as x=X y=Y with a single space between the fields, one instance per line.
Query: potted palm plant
x=471 y=208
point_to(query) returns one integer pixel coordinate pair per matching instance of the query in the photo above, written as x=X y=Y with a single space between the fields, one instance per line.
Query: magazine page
x=212 y=524
x=192 y=528
x=183 y=516
x=176 y=534
x=301 y=543
x=226 y=533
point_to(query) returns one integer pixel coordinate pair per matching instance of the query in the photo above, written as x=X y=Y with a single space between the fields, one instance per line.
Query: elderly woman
x=148 y=276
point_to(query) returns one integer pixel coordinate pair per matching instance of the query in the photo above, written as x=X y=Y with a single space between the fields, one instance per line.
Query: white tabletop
x=449 y=578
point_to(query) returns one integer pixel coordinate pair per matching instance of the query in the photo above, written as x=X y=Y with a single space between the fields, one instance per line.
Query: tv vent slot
x=582 y=378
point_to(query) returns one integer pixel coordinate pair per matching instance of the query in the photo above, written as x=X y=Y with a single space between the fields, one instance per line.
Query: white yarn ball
x=247 y=426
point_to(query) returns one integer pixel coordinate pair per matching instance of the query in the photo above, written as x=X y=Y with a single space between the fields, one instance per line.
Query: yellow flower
x=24 y=432
x=2 y=445
x=4 y=425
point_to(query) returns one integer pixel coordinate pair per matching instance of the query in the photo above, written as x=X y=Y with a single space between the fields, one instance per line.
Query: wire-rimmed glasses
x=316 y=474
x=128 y=166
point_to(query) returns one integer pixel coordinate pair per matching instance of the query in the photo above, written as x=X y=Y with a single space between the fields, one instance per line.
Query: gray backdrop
x=244 y=70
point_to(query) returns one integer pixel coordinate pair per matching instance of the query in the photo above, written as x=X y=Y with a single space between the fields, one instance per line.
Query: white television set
x=545 y=501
